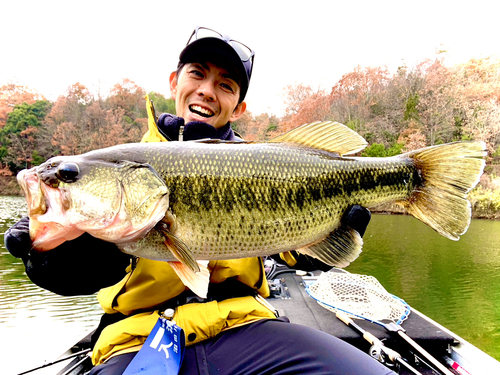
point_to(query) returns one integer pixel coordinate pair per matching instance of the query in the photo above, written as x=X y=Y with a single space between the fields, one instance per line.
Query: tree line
x=426 y=104
x=413 y=107
x=33 y=129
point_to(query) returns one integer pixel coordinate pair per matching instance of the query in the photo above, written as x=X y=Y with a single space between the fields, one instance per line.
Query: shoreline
x=394 y=209
x=9 y=186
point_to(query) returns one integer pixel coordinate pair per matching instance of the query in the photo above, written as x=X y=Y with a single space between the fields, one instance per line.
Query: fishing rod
x=81 y=353
x=67 y=372
x=390 y=353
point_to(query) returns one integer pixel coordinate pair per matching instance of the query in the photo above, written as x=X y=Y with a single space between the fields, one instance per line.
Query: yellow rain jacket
x=151 y=283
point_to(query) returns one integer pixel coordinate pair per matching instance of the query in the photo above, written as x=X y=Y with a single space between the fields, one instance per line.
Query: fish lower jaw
x=47 y=236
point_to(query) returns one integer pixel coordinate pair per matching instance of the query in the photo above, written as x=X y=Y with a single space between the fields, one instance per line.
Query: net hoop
x=359 y=296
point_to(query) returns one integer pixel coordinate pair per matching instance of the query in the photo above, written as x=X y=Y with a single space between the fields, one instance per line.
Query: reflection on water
x=455 y=283
x=36 y=325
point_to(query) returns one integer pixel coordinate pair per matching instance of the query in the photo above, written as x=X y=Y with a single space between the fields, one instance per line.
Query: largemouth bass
x=188 y=201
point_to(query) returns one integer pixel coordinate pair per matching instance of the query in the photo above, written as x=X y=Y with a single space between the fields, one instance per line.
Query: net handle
x=424 y=352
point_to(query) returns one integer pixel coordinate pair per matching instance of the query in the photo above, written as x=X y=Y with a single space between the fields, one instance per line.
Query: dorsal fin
x=327 y=135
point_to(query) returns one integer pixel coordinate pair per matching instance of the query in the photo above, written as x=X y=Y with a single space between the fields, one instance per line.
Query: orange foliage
x=356 y=93
x=79 y=93
x=128 y=96
x=67 y=138
x=6 y=172
x=479 y=88
x=259 y=128
x=305 y=106
x=358 y=84
x=412 y=138
x=12 y=94
x=482 y=79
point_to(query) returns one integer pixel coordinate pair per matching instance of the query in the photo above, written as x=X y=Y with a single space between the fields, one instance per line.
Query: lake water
x=455 y=283
x=35 y=325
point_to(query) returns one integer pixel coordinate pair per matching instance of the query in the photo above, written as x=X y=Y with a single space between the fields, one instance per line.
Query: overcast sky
x=49 y=45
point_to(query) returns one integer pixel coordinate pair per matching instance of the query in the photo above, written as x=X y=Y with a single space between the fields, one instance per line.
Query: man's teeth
x=201 y=111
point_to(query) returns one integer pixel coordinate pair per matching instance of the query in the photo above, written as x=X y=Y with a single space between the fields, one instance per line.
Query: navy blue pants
x=267 y=347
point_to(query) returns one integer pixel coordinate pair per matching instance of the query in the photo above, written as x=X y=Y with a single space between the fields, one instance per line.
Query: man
x=231 y=331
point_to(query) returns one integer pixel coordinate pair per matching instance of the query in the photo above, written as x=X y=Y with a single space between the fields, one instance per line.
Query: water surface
x=35 y=325
x=456 y=283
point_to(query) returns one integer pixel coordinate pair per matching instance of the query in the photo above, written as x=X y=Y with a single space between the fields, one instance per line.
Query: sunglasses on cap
x=244 y=52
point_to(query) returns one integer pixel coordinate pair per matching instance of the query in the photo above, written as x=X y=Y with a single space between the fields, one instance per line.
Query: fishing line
x=81 y=353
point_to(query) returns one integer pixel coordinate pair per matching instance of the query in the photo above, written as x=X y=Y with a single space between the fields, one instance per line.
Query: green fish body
x=189 y=201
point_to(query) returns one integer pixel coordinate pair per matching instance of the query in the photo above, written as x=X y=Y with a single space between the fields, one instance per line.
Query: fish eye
x=68 y=172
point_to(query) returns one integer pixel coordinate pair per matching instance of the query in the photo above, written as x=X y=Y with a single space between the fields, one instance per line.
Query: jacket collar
x=170 y=126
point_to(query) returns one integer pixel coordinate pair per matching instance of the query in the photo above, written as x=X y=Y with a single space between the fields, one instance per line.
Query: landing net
x=359 y=296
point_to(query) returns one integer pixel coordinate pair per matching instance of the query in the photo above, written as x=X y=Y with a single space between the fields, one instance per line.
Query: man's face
x=204 y=92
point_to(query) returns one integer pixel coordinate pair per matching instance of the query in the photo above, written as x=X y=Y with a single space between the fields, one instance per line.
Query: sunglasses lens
x=243 y=51
x=207 y=33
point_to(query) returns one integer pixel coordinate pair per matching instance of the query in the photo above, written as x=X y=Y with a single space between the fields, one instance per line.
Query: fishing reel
x=378 y=352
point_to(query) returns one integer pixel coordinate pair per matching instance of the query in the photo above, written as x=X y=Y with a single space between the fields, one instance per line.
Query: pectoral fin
x=339 y=248
x=178 y=248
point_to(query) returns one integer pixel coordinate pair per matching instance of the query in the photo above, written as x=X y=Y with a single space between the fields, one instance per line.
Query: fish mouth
x=201 y=111
x=48 y=223
x=32 y=188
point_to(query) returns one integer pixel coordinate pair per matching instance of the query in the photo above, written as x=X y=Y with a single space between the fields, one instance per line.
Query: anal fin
x=196 y=281
x=339 y=248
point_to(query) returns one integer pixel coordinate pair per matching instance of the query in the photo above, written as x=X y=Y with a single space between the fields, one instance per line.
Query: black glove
x=357 y=218
x=81 y=266
x=17 y=238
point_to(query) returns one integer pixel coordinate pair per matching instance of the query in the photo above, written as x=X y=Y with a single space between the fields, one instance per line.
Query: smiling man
x=205 y=92
x=209 y=88
x=233 y=330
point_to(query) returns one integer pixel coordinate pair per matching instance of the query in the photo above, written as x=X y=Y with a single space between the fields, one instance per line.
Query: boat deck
x=300 y=308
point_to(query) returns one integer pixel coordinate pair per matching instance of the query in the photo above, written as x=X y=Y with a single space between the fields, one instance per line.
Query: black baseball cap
x=209 y=45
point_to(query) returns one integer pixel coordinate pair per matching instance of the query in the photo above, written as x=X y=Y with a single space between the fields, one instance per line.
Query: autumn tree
x=396 y=106
x=304 y=105
x=245 y=126
x=128 y=96
x=294 y=95
x=356 y=97
x=12 y=94
x=413 y=137
x=438 y=102
x=68 y=124
x=478 y=82
x=79 y=122
x=18 y=138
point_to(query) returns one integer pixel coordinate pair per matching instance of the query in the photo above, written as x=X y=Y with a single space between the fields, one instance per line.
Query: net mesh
x=360 y=296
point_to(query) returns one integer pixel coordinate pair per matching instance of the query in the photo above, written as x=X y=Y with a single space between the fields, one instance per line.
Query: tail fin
x=448 y=173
